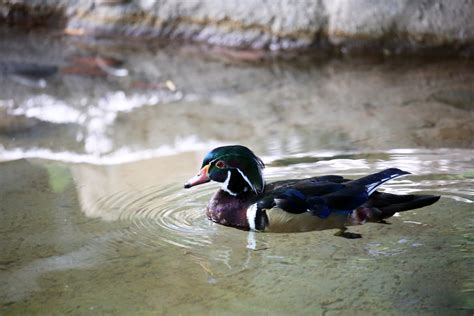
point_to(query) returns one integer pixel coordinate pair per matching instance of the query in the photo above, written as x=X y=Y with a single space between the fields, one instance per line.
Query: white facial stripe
x=247 y=180
x=224 y=186
x=251 y=214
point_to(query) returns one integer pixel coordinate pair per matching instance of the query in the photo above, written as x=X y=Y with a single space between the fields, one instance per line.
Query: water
x=84 y=238
x=94 y=219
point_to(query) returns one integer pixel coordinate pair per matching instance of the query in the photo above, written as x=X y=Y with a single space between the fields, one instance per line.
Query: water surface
x=80 y=238
x=98 y=136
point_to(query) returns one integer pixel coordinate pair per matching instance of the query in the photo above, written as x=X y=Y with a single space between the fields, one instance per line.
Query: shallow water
x=80 y=238
x=94 y=218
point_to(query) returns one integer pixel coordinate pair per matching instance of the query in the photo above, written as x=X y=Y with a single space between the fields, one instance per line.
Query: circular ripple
x=160 y=215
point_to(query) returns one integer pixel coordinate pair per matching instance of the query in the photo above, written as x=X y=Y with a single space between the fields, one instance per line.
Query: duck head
x=235 y=167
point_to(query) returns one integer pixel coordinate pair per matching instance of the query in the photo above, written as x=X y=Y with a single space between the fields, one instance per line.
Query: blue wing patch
x=292 y=201
x=318 y=207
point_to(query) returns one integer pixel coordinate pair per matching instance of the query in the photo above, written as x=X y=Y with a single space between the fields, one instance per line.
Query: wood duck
x=246 y=202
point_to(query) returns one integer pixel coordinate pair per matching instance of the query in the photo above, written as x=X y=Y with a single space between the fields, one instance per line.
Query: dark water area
x=97 y=137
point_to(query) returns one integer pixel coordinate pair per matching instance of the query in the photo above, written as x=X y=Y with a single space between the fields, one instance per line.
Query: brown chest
x=230 y=210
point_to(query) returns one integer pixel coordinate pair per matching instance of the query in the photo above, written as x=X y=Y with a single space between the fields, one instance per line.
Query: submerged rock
x=275 y=25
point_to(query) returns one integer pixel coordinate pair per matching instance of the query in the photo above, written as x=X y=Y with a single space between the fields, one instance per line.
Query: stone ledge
x=275 y=25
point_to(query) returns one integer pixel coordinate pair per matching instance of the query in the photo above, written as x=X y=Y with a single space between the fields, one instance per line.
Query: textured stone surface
x=279 y=24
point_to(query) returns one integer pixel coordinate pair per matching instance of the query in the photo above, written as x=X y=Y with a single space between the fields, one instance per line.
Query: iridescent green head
x=236 y=167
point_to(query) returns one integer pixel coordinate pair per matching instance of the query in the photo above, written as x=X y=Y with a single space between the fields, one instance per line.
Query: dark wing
x=299 y=196
x=304 y=183
x=303 y=197
x=344 y=200
x=322 y=196
x=334 y=197
x=354 y=194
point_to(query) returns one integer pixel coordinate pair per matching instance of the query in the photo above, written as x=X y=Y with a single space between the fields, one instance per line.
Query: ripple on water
x=168 y=215
x=160 y=215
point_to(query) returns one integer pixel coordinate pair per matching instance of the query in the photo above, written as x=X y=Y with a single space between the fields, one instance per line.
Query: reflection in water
x=101 y=98
x=161 y=215
x=24 y=281
x=123 y=155
x=96 y=116
x=138 y=240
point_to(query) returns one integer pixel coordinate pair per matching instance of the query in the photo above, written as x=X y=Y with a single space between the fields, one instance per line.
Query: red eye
x=220 y=164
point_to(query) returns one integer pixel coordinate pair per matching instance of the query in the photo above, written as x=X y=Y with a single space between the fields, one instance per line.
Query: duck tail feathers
x=385 y=205
x=402 y=203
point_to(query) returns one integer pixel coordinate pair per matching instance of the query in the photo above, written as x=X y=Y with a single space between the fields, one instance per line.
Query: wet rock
x=280 y=24
x=31 y=14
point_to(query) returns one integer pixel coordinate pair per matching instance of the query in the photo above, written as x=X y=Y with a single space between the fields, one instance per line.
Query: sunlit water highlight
x=150 y=238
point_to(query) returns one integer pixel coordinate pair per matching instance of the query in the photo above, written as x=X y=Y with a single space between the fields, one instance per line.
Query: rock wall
x=275 y=24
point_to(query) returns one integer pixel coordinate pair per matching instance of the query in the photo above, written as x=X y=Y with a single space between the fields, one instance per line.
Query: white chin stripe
x=251 y=214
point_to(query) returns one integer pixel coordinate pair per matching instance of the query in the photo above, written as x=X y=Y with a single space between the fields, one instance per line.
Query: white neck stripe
x=247 y=180
x=225 y=184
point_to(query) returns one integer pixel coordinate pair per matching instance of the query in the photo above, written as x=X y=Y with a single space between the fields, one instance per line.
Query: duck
x=245 y=201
